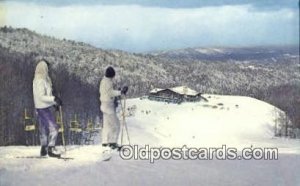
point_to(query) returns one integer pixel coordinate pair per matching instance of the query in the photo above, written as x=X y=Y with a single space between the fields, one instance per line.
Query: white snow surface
x=234 y=121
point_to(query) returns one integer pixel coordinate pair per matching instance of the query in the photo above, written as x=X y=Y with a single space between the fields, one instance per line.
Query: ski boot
x=115 y=146
x=51 y=152
x=43 y=151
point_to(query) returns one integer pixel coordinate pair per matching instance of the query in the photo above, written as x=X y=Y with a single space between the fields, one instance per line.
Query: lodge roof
x=183 y=90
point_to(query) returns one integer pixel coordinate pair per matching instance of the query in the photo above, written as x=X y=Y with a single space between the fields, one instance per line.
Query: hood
x=41 y=72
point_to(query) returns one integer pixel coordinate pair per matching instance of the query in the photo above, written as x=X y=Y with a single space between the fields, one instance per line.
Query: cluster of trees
x=77 y=69
x=14 y=95
x=287 y=98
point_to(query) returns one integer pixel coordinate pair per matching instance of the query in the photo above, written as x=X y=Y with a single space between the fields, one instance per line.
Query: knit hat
x=110 y=72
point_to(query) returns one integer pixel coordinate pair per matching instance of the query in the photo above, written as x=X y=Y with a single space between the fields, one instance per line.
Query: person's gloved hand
x=54 y=93
x=116 y=103
x=56 y=107
x=58 y=101
x=124 y=90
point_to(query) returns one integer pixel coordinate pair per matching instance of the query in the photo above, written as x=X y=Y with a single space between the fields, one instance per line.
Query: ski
x=106 y=159
x=106 y=155
x=31 y=157
x=43 y=157
x=65 y=158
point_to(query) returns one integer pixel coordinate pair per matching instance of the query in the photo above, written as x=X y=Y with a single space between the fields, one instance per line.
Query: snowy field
x=224 y=120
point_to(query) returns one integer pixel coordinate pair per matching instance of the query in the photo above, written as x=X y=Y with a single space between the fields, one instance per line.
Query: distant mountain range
x=232 y=54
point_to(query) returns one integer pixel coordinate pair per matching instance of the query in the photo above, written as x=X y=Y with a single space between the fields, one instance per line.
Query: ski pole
x=125 y=124
x=124 y=121
x=123 y=116
x=63 y=130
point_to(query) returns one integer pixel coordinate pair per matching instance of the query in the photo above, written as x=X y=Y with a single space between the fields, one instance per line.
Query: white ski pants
x=111 y=128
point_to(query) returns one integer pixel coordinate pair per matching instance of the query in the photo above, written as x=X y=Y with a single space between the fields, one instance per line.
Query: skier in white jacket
x=43 y=101
x=111 y=124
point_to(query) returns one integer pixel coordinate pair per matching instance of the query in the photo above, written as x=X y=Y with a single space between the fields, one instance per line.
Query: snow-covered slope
x=231 y=120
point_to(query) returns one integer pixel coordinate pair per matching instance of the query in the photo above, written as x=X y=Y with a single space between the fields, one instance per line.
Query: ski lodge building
x=174 y=95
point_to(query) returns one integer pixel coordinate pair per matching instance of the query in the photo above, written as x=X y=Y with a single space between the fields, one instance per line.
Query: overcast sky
x=140 y=26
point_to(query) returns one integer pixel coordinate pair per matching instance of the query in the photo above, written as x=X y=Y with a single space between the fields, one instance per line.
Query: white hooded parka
x=42 y=87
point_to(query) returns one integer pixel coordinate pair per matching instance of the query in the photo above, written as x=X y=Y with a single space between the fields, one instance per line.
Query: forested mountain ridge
x=78 y=67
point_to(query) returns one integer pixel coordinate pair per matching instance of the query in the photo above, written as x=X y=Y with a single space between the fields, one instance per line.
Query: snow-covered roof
x=156 y=90
x=183 y=90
